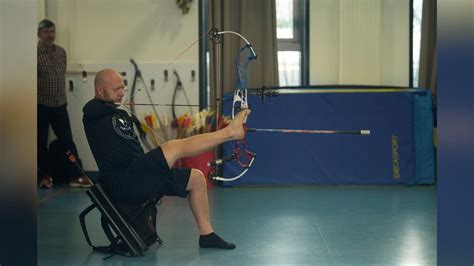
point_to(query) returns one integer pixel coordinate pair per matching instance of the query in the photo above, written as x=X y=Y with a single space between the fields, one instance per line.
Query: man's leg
x=175 y=149
x=42 y=146
x=62 y=129
x=199 y=204
x=197 y=185
x=198 y=201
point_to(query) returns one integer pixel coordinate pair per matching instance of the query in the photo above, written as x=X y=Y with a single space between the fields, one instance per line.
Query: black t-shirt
x=111 y=137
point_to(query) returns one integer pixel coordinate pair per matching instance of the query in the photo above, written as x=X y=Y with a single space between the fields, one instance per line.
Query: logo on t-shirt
x=123 y=127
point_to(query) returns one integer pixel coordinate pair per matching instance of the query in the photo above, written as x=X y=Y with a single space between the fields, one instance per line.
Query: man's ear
x=100 y=92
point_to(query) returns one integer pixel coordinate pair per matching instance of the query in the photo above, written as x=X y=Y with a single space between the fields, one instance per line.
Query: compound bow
x=240 y=154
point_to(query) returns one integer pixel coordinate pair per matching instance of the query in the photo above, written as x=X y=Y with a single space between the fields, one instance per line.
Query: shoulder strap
x=114 y=248
x=83 y=223
x=105 y=226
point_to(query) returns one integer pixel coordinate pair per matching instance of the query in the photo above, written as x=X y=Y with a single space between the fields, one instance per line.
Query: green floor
x=314 y=225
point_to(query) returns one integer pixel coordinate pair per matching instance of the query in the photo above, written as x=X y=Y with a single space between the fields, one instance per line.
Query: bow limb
x=135 y=120
x=227 y=179
x=244 y=57
x=184 y=91
x=160 y=123
x=132 y=98
x=179 y=86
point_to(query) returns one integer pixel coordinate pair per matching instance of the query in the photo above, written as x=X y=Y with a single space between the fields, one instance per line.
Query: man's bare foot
x=235 y=127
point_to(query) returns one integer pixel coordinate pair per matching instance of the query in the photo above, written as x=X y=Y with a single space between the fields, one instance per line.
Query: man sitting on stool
x=130 y=175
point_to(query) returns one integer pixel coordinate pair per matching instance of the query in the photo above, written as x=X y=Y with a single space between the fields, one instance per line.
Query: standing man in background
x=52 y=106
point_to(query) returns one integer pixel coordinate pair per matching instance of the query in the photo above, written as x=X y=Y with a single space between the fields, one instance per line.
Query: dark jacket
x=111 y=137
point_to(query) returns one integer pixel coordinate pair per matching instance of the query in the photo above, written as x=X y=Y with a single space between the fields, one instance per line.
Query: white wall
x=101 y=34
x=363 y=42
x=105 y=31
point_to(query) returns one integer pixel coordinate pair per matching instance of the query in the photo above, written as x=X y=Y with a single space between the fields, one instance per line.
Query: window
x=288 y=16
x=285 y=13
x=417 y=13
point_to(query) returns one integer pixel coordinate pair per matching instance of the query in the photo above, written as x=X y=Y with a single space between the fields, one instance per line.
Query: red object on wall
x=199 y=162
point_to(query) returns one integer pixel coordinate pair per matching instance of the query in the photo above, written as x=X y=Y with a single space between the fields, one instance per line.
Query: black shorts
x=149 y=177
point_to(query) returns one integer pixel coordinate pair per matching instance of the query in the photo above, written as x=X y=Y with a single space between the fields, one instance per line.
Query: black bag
x=142 y=218
x=130 y=228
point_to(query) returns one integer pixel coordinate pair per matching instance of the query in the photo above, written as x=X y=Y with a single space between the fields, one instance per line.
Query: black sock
x=212 y=240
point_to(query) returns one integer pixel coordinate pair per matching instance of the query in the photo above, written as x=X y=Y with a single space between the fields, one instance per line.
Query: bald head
x=103 y=77
x=109 y=86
